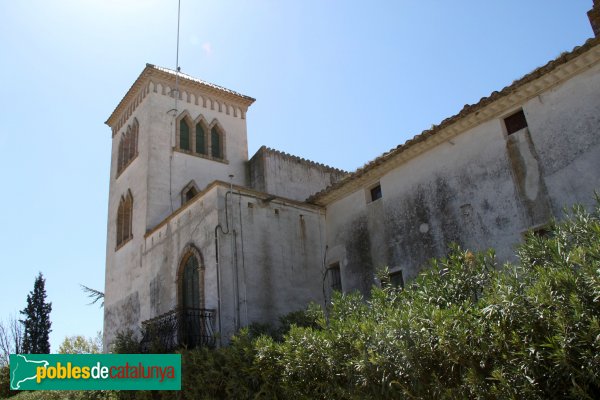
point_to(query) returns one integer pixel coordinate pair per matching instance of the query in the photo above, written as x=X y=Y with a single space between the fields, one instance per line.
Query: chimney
x=594 y=16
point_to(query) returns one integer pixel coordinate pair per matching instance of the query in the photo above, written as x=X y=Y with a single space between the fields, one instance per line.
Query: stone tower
x=172 y=135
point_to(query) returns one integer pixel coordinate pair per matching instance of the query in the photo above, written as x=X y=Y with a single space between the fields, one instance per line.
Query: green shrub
x=466 y=328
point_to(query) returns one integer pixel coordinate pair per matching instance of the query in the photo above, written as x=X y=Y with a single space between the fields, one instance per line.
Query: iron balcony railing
x=182 y=327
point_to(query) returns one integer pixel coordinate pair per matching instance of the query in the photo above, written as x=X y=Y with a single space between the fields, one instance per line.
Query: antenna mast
x=175 y=110
x=177 y=67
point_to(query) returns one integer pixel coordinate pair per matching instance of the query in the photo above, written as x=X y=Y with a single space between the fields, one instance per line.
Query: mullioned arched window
x=199 y=138
x=128 y=146
x=124 y=219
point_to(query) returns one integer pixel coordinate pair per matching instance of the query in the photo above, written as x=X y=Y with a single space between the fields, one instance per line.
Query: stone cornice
x=236 y=188
x=488 y=108
x=162 y=81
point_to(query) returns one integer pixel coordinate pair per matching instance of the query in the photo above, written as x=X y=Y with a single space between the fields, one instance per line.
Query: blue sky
x=338 y=82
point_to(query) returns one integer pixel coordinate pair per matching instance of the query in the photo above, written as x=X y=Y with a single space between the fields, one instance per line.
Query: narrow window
x=190 y=194
x=376 y=193
x=200 y=142
x=515 y=122
x=396 y=279
x=128 y=146
x=120 y=221
x=135 y=127
x=215 y=145
x=127 y=218
x=191 y=283
x=335 y=278
x=124 y=219
x=120 y=157
x=184 y=135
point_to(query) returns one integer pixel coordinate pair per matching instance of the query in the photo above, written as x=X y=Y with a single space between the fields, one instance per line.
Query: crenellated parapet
x=299 y=160
x=187 y=89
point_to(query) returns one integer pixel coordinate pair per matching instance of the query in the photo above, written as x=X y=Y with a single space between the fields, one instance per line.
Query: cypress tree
x=37 y=320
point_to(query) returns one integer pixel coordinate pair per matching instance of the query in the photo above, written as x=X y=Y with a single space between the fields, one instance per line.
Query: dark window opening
x=397 y=279
x=191 y=284
x=215 y=138
x=376 y=193
x=200 y=142
x=515 y=122
x=335 y=278
x=189 y=195
x=184 y=135
x=124 y=219
x=128 y=146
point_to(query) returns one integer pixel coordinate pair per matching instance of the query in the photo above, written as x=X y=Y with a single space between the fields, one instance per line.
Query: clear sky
x=336 y=81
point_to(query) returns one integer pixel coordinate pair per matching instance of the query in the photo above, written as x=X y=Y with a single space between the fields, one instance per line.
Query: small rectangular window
x=335 y=278
x=515 y=122
x=376 y=193
x=396 y=279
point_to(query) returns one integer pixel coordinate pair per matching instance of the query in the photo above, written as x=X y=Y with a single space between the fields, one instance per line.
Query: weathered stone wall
x=121 y=302
x=565 y=128
x=288 y=176
x=156 y=178
x=169 y=176
x=480 y=189
x=270 y=261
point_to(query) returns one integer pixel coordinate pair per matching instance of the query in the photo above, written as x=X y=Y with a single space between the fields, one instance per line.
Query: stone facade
x=266 y=231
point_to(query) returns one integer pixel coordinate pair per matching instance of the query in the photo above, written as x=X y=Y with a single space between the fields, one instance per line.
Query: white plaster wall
x=276 y=246
x=156 y=182
x=289 y=176
x=167 y=176
x=283 y=253
x=278 y=258
x=164 y=249
x=121 y=306
x=464 y=190
x=565 y=127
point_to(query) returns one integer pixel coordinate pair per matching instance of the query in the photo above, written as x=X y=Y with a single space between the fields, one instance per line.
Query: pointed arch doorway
x=192 y=319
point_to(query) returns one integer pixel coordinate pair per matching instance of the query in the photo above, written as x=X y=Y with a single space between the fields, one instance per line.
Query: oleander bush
x=466 y=328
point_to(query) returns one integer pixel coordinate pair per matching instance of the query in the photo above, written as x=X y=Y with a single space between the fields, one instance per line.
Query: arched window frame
x=200 y=121
x=190 y=251
x=207 y=151
x=128 y=147
x=190 y=187
x=216 y=130
x=185 y=117
x=124 y=231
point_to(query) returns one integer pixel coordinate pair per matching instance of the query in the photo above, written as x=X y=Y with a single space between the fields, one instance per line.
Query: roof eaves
x=170 y=74
x=320 y=198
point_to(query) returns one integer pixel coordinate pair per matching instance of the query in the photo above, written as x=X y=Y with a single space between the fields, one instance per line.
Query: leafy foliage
x=94 y=295
x=37 y=320
x=465 y=328
x=126 y=342
x=81 y=345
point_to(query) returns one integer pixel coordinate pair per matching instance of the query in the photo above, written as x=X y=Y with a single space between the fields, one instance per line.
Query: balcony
x=182 y=327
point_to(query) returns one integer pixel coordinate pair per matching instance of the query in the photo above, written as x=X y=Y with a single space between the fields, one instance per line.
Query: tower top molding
x=153 y=75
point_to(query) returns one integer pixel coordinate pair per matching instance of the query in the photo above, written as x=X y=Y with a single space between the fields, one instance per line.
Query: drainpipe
x=224 y=232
